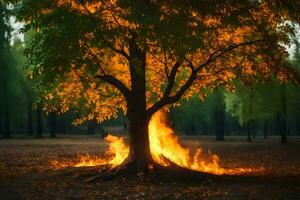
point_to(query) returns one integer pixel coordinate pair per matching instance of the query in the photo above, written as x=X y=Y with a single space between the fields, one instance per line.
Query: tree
x=52 y=121
x=4 y=66
x=292 y=93
x=39 y=123
x=143 y=56
x=240 y=104
x=190 y=117
x=218 y=114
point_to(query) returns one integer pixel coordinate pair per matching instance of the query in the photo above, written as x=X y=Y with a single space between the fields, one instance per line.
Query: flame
x=163 y=144
x=115 y=154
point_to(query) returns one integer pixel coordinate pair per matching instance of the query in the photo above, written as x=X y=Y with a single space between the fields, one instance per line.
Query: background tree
x=5 y=60
x=142 y=56
x=218 y=114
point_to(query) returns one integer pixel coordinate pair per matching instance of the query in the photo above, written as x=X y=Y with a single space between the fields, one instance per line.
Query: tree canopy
x=86 y=52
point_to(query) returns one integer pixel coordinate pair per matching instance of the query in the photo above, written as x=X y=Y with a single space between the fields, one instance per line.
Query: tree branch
x=109 y=45
x=116 y=83
x=215 y=54
x=166 y=99
x=97 y=62
x=171 y=79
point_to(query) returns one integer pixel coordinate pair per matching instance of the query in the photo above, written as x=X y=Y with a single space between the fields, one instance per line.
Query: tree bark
x=139 y=141
x=138 y=117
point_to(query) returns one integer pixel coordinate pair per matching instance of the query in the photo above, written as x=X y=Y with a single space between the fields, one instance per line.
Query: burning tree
x=99 y=57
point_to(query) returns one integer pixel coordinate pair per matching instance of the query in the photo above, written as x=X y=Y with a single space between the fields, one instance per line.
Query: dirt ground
x=26 y=172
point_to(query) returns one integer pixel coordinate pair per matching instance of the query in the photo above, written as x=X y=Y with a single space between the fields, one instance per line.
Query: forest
x=149 y=99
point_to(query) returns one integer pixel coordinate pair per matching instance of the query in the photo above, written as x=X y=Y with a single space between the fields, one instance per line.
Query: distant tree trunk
x=61 y=124
x=4 y=70
x=6 y=108
x=298 y=128
x=29 y=115
x=240 y=129
x=1 y=125
x=288 y=131
x=92 y=125
x=277 y=128
x=253 y=129
x=64 y=123
x=219 y=115
x=227 y=127
x=204 y=128
x=39 y=121
x=283 y=130
x=250 y=119
x=283 y=113
x=248 y=130
x=192 y=128
x=266 y=129
x=53 y=124
x=219 y=122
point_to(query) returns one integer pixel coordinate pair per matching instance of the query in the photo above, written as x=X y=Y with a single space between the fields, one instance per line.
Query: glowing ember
x=163 y=144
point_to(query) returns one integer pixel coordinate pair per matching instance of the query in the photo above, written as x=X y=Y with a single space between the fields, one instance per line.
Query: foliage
x=84 y=53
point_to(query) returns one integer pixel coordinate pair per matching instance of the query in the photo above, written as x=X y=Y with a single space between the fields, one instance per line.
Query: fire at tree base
x=166 y=152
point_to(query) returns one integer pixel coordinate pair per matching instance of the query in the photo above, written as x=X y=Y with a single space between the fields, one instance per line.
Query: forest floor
x=26 y=172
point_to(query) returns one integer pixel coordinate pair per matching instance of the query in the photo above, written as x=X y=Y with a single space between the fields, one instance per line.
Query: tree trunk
x=139 y=140
x=204 y=128
x=29 y=122
x=219 y=118
x=193 y=128
x=266 y=129
x=283 y=114
x=253 y=129
x=39 y=121
x=138 y=118
x=29 y=114
x=92 y=126
x=248 y=129
x=6 y=108
x=63 y=123
x=298 y=128
x=219 y=115
x=53 y=124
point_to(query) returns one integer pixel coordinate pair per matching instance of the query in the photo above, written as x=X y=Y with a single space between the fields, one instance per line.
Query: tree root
x=176 y=172
x=157 y=171
x=108 y=172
